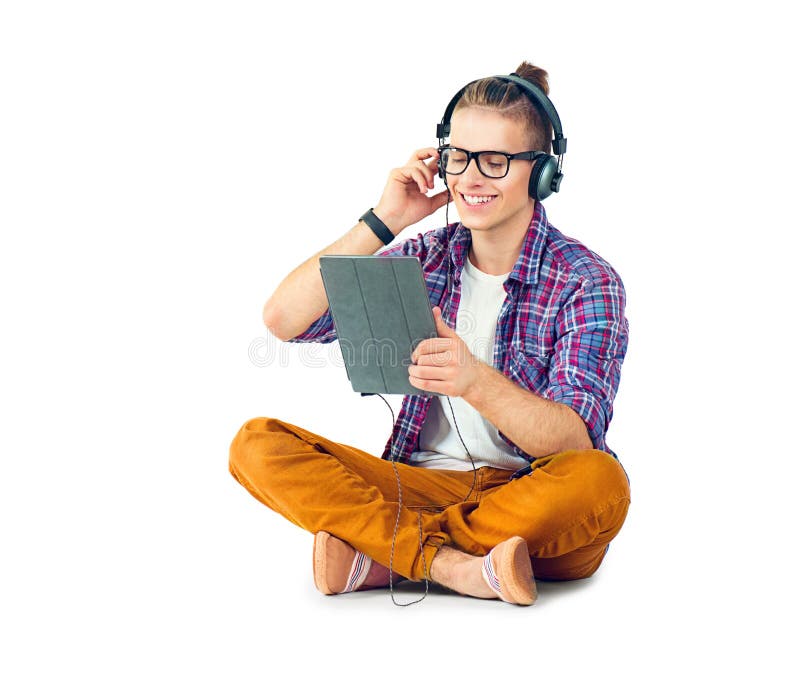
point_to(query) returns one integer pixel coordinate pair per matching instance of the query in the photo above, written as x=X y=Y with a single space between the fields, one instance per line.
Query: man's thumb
x=441 y=199
x=441 y=328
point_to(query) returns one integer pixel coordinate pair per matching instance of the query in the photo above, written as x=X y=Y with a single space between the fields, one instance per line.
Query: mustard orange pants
x=568 y=508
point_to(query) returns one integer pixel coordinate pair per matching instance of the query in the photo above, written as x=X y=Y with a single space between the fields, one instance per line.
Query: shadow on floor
x=408 y=591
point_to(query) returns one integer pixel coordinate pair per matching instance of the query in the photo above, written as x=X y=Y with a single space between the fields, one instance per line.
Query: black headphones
x=546 y=173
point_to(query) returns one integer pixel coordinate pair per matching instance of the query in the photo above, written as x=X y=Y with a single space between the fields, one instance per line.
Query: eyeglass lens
x=490 y=164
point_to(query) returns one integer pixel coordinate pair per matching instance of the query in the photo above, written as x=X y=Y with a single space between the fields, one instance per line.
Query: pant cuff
x=421 y=568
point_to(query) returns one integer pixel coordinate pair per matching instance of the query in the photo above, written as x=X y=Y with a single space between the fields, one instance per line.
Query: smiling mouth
x=477 y=200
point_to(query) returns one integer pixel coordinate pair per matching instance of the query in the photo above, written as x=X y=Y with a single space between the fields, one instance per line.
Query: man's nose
x=472 y=172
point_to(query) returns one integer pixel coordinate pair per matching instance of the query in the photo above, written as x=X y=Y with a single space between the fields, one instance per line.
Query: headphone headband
x=536 y=95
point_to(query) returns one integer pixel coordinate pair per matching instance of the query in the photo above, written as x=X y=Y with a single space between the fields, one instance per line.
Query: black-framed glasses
x=493 y=164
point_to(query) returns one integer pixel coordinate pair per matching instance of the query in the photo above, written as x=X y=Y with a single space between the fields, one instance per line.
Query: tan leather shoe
x=507 y=570
x=339 y=567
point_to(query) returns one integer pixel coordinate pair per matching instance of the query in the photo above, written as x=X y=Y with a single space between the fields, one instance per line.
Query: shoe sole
x=516 y=573
x=320 y=572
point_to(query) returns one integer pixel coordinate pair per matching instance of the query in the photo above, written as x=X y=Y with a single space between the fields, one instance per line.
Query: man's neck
x=496 y=252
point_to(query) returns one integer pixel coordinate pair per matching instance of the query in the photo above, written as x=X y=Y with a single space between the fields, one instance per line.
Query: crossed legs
x=568 y=509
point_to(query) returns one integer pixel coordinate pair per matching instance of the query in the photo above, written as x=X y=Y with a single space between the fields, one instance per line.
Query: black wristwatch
x=377 y=226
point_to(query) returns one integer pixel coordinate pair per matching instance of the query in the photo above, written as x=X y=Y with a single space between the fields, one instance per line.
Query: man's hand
x=444 y=365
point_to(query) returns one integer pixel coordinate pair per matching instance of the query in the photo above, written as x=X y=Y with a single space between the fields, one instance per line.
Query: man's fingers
x=430 y=170
x=421 y=179
x=429 y=373
x=424 y=153
x=431 y=345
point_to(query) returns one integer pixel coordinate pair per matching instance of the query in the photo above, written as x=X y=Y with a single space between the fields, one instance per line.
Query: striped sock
x=358 y=571
x=487 y=571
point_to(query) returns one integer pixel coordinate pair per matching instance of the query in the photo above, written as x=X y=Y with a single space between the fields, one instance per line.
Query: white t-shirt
x=482 y=297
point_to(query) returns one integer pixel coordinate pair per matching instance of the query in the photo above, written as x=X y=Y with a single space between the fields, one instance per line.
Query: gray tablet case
x=381 y=311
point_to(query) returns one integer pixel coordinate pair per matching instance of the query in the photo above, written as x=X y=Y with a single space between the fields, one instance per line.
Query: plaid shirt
x=561 y=333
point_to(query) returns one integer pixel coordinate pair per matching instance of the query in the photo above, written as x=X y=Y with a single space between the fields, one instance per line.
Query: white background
x=164 y=164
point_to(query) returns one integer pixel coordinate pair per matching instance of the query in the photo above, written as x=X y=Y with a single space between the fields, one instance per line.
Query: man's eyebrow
x=493 y=150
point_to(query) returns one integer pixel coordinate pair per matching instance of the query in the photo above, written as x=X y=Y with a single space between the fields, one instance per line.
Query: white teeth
x=474 y=200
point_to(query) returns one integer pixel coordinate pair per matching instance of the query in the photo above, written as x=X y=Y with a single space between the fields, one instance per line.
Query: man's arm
x=536 y=425
x=583 y=377
x=300 y=298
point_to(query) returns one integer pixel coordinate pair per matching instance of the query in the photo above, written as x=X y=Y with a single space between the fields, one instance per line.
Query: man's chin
x=478 y=226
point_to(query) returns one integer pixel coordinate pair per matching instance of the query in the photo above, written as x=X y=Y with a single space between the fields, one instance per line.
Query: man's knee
x=593 y=487
x=255 y=439
x=603 y=476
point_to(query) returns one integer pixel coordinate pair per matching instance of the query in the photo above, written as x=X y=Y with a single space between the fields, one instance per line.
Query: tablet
x=381 y=312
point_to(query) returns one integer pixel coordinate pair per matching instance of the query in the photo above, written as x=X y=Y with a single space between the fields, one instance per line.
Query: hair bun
x=533 y=74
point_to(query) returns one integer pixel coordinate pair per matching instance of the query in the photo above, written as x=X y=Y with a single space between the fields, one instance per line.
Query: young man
x=532 y=369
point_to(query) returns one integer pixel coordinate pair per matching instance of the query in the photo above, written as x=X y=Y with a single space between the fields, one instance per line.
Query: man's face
x=477 y=129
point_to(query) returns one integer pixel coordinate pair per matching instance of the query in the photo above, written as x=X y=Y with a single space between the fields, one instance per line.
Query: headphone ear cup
x=440 y=168
x=545 y=167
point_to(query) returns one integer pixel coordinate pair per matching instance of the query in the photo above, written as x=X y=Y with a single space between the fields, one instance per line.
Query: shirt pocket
x=530 y=370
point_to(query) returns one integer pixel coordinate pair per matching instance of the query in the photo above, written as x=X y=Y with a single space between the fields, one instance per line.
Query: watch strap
x=377 y=226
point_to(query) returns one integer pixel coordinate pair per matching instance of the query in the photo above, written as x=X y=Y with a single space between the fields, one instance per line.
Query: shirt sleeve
x=322 y=329
x=592 y=340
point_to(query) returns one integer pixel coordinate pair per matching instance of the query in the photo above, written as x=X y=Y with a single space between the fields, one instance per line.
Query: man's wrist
x=377 y=226
x=474 y=393
x=389 y=220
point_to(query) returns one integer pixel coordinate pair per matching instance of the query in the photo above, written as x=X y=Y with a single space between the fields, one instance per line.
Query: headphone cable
x=393 y=458
x=393 y=455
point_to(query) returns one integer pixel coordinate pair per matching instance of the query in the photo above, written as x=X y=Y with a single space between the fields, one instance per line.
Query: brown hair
x=508 y=99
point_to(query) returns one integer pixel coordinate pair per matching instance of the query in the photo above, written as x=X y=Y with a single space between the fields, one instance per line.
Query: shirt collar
x=526 y=269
